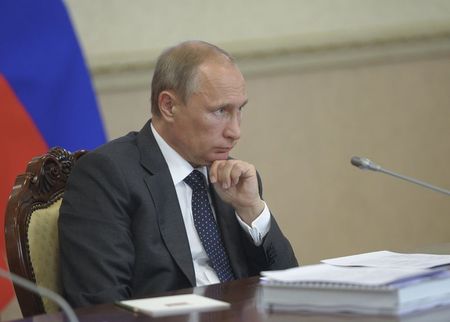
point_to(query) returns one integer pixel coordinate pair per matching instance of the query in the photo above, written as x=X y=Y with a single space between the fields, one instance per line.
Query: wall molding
x=290 y=54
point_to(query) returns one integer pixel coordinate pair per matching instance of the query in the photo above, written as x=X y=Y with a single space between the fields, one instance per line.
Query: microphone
x=366 y=164
x=42 y=291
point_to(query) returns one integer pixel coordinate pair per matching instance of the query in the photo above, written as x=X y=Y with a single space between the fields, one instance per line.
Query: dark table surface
x=243 y=295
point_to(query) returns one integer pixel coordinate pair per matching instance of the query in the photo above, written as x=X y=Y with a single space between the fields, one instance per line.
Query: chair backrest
x=31 y=229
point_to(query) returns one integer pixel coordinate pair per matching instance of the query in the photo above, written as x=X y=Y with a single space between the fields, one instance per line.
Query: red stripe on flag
x=20 y=140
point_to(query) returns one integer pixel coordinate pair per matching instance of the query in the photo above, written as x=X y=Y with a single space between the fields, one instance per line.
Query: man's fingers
x=213 y=172
x=236 y=173
x=228 y=173
x=224 y=173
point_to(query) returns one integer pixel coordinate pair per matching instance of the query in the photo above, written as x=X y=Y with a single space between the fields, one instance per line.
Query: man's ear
x=166 y=101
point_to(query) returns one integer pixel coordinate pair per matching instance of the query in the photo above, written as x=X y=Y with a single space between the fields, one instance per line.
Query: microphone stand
x=62 y=303
x=366 y=164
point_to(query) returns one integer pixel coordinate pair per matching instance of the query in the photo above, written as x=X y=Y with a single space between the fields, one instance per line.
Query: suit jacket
x=122 y=234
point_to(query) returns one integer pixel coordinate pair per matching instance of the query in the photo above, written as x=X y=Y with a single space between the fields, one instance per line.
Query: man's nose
x=233 y=129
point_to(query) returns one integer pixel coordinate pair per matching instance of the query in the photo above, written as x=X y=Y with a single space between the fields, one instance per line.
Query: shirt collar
x=179 y=168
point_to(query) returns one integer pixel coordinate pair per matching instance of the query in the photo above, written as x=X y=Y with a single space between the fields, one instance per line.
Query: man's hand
x=236 y=183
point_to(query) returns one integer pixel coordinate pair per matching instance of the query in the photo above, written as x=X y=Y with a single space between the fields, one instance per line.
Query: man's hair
x=176 y=69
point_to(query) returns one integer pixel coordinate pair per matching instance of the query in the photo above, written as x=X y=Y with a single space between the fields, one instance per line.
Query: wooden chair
x=31 y=229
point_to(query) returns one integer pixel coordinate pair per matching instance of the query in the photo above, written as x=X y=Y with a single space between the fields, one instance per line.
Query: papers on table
x=381 y=282
x=391 y=259
x=369 y=276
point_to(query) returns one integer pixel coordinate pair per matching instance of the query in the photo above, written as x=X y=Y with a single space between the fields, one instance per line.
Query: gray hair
x=176 y=69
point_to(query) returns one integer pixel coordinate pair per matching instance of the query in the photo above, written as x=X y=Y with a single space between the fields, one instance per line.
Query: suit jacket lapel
x=164 y=196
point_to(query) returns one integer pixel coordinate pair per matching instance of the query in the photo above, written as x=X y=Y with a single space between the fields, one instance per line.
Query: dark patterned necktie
x=207 y=228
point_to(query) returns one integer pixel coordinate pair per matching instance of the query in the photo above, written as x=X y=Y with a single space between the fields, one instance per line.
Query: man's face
x=207 y=127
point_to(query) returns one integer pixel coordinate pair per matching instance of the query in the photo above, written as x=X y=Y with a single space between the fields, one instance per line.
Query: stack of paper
x=389 y=259
x=390 y=284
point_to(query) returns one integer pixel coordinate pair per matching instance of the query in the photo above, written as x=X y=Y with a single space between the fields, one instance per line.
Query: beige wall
x=302 y=127
x=120 y=34
x=327 y=80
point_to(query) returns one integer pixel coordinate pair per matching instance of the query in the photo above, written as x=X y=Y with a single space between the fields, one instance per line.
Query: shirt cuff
x=259 y=227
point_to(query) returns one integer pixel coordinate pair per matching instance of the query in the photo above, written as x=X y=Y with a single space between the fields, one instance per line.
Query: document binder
x=365 y=290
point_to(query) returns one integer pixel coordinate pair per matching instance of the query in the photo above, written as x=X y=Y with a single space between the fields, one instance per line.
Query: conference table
x=244 y=296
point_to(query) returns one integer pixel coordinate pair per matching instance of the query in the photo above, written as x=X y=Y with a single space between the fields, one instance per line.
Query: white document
x=390 y=259
x=364 y=276
x=173 y=305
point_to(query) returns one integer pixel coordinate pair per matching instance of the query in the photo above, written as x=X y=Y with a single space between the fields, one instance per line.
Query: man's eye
x=220 y=111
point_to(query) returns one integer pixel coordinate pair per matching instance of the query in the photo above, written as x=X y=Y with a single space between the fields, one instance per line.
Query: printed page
x=368 y=276
x=390 y=259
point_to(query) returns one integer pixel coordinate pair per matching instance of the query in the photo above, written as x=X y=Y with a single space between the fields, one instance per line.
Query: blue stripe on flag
x=41 y=59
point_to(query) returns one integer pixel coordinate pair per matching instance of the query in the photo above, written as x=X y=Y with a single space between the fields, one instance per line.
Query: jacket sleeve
x=274 y=253
x=96 y=248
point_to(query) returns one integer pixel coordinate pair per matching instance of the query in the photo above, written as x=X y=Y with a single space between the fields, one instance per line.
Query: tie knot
x=196 y=180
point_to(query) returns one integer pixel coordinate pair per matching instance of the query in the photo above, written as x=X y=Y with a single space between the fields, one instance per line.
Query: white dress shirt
x=179 y=169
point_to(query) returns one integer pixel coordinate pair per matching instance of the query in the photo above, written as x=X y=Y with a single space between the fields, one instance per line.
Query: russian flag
x=46 y=96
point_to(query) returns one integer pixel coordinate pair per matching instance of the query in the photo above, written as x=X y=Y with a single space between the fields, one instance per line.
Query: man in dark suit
x=167 y=208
